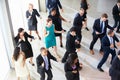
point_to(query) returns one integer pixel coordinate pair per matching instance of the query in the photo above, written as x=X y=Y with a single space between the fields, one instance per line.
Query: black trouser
x=105 y=56
x=95 y=38
x=48 y=72
x=116 y=22
x=66 y=55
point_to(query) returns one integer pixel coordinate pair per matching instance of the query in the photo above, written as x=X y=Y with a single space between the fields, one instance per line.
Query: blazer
x=25 y=45
x=106 y=42
x=70 y=42
x=40 y=60
x=96 y=26
x=114 y=70
x=68 y=71
x=50 y=4
x=115 y=12
x=33 y=19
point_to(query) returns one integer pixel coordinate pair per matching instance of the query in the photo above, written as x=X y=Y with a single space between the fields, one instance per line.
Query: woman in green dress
x=50 y=40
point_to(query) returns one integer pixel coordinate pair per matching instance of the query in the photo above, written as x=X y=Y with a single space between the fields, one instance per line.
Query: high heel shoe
x=61 y=45
x=87 y=28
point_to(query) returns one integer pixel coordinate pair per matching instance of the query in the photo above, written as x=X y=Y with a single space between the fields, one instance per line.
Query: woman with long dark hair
x=20 y=65
x=22 y=40
x=72 y=67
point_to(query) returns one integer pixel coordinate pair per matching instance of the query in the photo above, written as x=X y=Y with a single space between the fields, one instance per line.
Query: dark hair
x=16 y=53
x=71 y=58
x=82 y=9
x=82 y=1
x=42 y=48
x=53 y=9
x=118 y=1
x=110 y=32
x=20 y=30
x=48 y=20
x=104 y=15
x=72 y=29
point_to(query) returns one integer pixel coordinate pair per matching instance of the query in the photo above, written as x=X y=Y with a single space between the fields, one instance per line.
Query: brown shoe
x=92 y=52
x=101 y=52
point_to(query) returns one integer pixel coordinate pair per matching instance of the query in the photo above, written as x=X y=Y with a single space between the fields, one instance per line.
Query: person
x=22 y=40
x=116 y=16
x=44 y=64
x=19 y=64
x=50 y=4
x=72 y=44
x=32 y=20
x=78 y=23
x=57 y=21
x=72 y=67
x=114 y=70
x=108 y=43
x=99 y=31
x=50 y=40
x=84 y=4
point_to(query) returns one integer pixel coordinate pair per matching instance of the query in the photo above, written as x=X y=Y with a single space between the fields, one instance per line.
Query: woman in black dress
x=22 y=40
x=57 y=21
x=32 y=20
x=84 y=4
x=72 y=67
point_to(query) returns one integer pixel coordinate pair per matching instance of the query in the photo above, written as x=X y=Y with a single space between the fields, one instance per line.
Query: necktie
x=111 y=42
x=101 y=26
x=46 y=62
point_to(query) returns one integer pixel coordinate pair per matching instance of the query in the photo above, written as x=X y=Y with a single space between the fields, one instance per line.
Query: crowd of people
x=53 y=28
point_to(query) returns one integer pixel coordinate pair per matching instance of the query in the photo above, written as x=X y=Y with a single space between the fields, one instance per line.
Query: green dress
x=50 y=40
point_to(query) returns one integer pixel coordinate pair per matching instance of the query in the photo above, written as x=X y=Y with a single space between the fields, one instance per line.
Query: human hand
x=75 y=71
x=43 y=64
x=29 y=17
x=118 y=44
x=62 y=10
x=111 y=46
x=97 y=32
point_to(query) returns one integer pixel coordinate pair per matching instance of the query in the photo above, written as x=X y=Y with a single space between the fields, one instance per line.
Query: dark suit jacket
x=114 y=70
x=115 y=12
x=33 y=19
x=50 y=4
x=68 y=71
x=70 y=43
x=106 y=42
x=25 y=45
x=40 y=60
x=96 y=27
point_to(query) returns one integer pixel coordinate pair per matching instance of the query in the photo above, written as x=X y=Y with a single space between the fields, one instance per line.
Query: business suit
x=50 y=4
x=97 y=28
x=70 y=46
x=114 y=70
x=77 y=23
x=32 y=22
x=116 y=16
x=107 y=50
x=41 y=70
x=68 y=71
x=25 y=45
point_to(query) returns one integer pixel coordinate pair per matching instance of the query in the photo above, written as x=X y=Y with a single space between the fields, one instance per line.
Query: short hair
x=72 y=29
x=118 y=1
x=104 y=15
x=42 y=48
x=20 y=30
x=110 y=32
x=53 y=10
x=82 y=9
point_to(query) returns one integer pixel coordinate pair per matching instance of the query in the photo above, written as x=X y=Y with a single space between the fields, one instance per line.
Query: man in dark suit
x=99 y=31
x=114 y=70
x=44 y=64
x=78 y=23
x=108 y=44
x=54 y=4
x=116 y=16
x=71 y=43
x=32 y=20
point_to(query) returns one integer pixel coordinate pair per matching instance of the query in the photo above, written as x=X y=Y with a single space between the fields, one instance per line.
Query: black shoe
x=117 y=31
x=61 y=46
x=100 y=69
x=87 y=28
x=32 y=63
